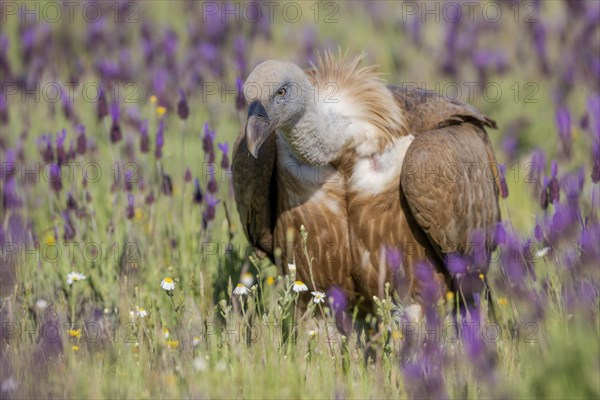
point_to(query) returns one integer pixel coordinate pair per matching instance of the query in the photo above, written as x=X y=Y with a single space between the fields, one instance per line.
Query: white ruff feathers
x=375 y=173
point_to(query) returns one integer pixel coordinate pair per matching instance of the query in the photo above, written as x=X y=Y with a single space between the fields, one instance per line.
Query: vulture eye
x=281 y=92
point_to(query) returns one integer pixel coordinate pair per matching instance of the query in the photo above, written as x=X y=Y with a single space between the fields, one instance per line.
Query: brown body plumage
x=408 y=170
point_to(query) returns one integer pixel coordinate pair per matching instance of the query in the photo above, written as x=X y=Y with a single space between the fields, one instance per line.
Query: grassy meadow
x=121 y=250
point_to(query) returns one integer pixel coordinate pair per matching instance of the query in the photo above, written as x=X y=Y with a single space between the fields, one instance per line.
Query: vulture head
x=302 y=110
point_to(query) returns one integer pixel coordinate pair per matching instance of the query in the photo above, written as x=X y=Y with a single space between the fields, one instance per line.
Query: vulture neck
x=317 y=138
x=325 y=131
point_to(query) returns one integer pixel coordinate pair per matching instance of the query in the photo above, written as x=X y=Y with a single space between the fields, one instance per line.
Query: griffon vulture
x=365 y=167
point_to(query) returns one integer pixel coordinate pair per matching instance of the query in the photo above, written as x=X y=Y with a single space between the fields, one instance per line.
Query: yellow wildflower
x=160 y=111
x=270 y=281
x=153 y=99
x=74 y=333
x=49 y=240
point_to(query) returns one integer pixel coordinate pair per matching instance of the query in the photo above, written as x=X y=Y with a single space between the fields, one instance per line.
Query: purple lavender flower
x=71 y=203
x=211 y=209
x=198 y=195
x=130 y=212
x=510 y=140
x=544 y=194
x=160 y=139
x=187 y=176
x=563 y=123
x=144 y=139
x=240 y=100
x=572 y=185
x=170 y=43
x=500 y=234
x=482 y=59
x=69 y=230
x=81 y=140
x=339 y=304
x=538 y=161
x=450 y=43
x=212 y=186
x=129 y=180
x=208 y=140
x=476 y=349
x=182 y=106
x=224 y=147
x=593 y=108
x=553 y=187
x=588 y=241
x=239 y=55
x=538 y=32
x=167 y=185
x=67 y=106
x=596 y=157
x=159 y=83
x=3 y=109
x=46 y=149
x=61 y=155
x=510 y=145
x=55 y=177
x=10 y=197
x=210 y=53
x=115 y=129
x=9 y=166
x=149 y=198
x=101 y=105
x=457 y=265
x=400 y=279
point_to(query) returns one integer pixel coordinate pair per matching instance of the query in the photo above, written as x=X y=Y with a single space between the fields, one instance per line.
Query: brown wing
x=449 y=180
x=449 y=175
x=253 y=186
x=428 y=110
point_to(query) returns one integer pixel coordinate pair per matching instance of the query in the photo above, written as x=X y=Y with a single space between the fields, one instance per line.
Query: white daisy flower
x=9 y=385
x=74 y=277
x=138 y=313
x=247 y=279
x=196 y=341
x=292 y=268
x=241 y=290
x=168 y=284
x=200 y=364
x=299 y=286
x=542 y=252
x=318 y=297
x=41 y=304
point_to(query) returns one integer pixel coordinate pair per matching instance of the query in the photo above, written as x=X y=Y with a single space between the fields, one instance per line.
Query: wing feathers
x=449 y=185
x=253 y=183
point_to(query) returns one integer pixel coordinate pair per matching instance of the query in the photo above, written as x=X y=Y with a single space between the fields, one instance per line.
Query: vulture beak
x=257 y=127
